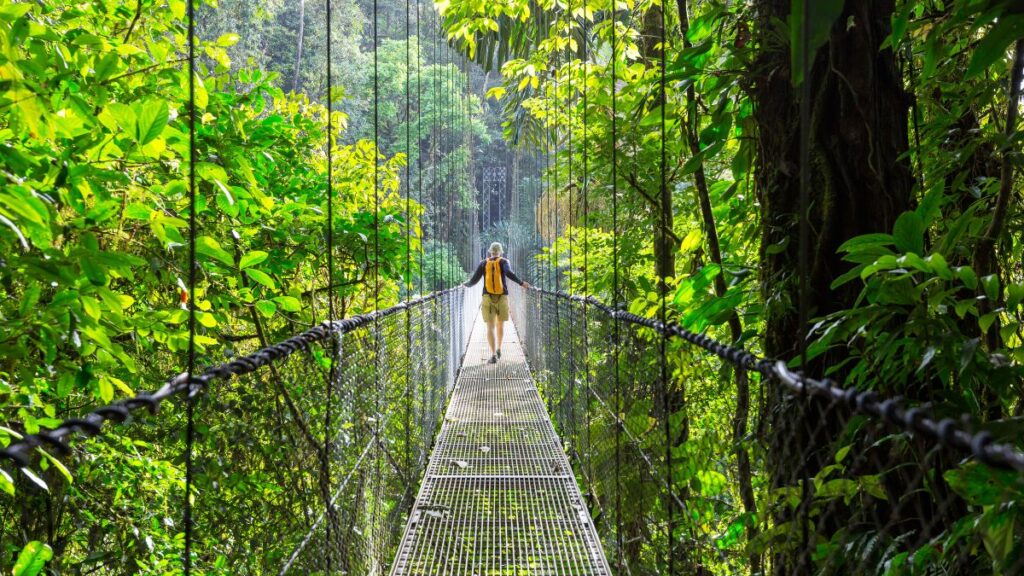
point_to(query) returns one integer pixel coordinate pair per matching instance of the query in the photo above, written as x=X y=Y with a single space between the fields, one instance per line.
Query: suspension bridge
x=394 y=448
x=556 y=460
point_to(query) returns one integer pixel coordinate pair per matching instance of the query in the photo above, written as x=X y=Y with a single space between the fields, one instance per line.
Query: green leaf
x=1007 y=331
x=11 y=12
x=252 y=258
x=207 y=246
x=266 y=308
x=850 y=275
x=653 y=118
x=211 y=172
x=497 y=93
x=981 y=485
x=711 y=482
x=938 y=265
x=962 y=307
x=96 y=273
x=106 y=389
x=990 y=283
x=692 y=241
x=137 y=212
x=202 y=96
x=857 y=242
x=152 y=118
x=29 y=300
x=985 y=322
x=229 y=39
x=56 y=464
x=32 y=559
x=289 y=303
x=913 y=261
x=967 y=276
x=261 y=277
x=822 y=15
x=908 y=232
x=124 y=116
x=994 y=45
x=6 y=482
x=1014 y=295
x=206 y=319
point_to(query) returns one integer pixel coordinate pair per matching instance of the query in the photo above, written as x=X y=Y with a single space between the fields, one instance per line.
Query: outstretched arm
x=512 y=275
x=476 y=275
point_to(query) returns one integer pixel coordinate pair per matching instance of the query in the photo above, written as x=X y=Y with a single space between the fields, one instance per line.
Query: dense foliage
x=94 y=112
x=658 y=165
x=691 y=188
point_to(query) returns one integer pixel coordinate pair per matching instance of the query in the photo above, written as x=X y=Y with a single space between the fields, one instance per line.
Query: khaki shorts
x=495 y=305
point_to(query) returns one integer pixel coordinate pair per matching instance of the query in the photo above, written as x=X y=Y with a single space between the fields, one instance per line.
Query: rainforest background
x=685 y=114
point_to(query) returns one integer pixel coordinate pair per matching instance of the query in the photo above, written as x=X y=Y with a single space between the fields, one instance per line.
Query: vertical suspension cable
x=570 y=104
x=436 y=265
x=555 y=114
x=662 y=312
x=419 y=139
x=804 y=259
x=423 y=213
x=615 y=291
x=452 y=174
x=192 y=265
x=547 y=200
x=586 y=249
x=376 y=165
x=448 y=157
x=376 y=262
x=555 y=191
x=326 y=464
x=408 y=235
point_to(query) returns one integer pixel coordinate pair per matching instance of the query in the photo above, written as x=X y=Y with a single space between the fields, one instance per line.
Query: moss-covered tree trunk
x=860 y=182
x=663 y=221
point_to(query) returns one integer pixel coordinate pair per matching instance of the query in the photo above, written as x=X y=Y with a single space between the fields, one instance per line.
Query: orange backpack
x=493 y=278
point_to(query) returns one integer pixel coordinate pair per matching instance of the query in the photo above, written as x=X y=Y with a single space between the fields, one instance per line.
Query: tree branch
x=631 y=180
x=135 y=20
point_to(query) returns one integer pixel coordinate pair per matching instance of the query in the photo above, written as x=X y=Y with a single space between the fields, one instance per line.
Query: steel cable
x=192 y=265
x=91 y=424
x=945 y=432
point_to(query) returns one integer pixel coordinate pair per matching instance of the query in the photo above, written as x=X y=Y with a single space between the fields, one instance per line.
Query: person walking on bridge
x=496 y=271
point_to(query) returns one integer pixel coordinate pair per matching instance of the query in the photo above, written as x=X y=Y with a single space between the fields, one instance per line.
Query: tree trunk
x=298 y=48
x=985 y=261
x=742 y=414
x=664 y=244
x=860 y=181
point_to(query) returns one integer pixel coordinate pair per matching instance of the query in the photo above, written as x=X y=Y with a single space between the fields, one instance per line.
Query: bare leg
x=490 y=332
x=501 y=333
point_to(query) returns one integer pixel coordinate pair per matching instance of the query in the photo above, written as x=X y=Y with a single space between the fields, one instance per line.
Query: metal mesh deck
x=498 y=497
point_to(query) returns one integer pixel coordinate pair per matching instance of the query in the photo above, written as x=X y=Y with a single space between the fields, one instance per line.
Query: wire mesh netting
x=499 y=496
x=305 y=462
x=823 y=482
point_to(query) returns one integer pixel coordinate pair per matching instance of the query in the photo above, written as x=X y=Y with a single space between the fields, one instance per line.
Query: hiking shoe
x=493 y=360
x=498 y=353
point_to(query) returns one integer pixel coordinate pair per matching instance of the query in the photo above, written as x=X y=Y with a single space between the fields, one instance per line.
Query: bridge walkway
x=498 y=496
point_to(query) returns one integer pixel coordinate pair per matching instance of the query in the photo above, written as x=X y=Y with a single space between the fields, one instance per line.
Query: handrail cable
x=91 y=424
x=946 y=431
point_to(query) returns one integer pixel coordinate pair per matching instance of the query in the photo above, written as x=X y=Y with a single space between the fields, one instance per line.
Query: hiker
x=495 y=270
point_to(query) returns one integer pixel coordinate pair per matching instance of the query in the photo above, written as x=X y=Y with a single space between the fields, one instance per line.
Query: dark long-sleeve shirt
x=506 y=273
